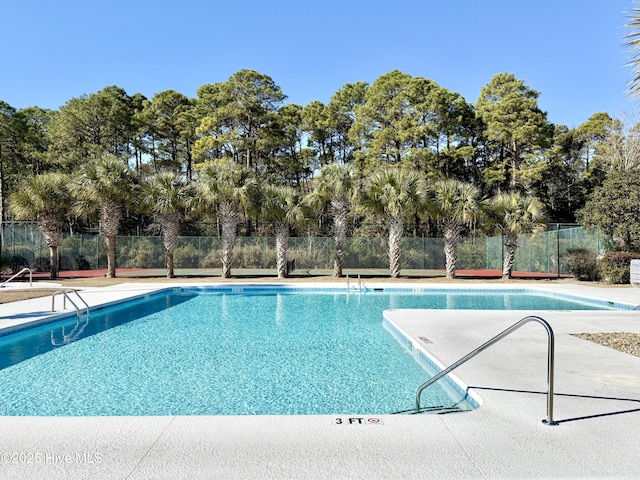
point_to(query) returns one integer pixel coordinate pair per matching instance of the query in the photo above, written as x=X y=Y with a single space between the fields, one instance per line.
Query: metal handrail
x=20 y=273
x=359 y=287
x=497 y=338
x=66 y=297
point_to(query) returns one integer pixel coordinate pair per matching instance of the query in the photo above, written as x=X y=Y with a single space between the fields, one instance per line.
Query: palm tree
x=282 y=207
x=514 y=214
x=47 y=199
x=167 y=195
x=633 y=43
x=106 y=184
x=335 y=186
x=225 y=187
x=393 y=193
x=455 y=205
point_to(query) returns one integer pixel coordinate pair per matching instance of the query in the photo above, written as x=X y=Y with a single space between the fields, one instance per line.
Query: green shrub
x=85 y=250
x=42 y=264
x=186 y=256
x=212 y=260
x=472 y=256
x=81 y=263
x=615 y=266
x=367 y=253
x=582 y=263
x=4 y=265
x=260 y=253
x=14 y=263
x=311 y=252
x=18 y=257
x=141 y=252
x=64 y=263
x=413 y=258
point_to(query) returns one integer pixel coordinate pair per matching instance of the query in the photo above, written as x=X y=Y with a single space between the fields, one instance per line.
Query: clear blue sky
x=571 y=51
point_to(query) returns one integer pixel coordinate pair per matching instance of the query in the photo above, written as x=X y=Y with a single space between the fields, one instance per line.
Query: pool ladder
x=65 y=297
x=497 y=338
x=359 y=287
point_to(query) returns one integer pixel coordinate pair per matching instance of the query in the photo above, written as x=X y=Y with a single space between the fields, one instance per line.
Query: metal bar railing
x=359 y=287
x=24 y=270
x=497 y=338
x=66 y=297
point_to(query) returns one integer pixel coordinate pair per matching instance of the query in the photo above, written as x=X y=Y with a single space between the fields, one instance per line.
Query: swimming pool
x=234 y=351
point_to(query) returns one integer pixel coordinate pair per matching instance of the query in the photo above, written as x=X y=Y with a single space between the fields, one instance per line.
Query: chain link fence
x=24 y=246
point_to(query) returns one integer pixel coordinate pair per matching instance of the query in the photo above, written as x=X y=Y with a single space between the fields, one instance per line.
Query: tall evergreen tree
x=614 y=208
x=517 y=129
x=9 y=146
x=23 y=143
x=380 y=127
x=288 y=161
x=236 y=113
x=341 y=117
x=165 y=120
x=560 y=185
x=91 y=125
x=453 y=126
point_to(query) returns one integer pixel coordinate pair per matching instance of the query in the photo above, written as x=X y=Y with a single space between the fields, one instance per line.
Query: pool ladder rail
x=65 y=297
x=359 y=287
x=550 y=363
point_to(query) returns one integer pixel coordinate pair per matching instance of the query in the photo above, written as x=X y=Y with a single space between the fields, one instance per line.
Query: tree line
x=413 y=158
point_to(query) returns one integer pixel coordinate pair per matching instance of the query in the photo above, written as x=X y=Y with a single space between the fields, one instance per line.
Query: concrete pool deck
x=597 y=407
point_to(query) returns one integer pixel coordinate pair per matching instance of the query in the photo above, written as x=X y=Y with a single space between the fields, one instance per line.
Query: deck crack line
x=455 y=437
x=164 y=430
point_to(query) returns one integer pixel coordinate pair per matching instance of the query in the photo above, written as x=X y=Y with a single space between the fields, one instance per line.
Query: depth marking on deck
x=358 y=421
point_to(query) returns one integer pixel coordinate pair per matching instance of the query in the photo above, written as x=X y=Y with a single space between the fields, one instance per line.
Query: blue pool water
x=234 y=352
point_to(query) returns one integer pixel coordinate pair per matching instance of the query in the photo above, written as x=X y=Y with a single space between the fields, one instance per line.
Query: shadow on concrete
x=566 y=420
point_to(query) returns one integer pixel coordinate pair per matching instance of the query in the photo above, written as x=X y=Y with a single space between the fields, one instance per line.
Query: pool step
x=435 y=409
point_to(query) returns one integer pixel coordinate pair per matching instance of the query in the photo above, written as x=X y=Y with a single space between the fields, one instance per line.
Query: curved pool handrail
x=24 y=270
x=497 y=338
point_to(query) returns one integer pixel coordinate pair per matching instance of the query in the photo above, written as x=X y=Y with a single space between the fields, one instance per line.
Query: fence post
x=558 y=247
x=501 y=253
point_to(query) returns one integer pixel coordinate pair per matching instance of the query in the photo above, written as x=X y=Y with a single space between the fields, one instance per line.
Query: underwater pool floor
x=597 y=405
